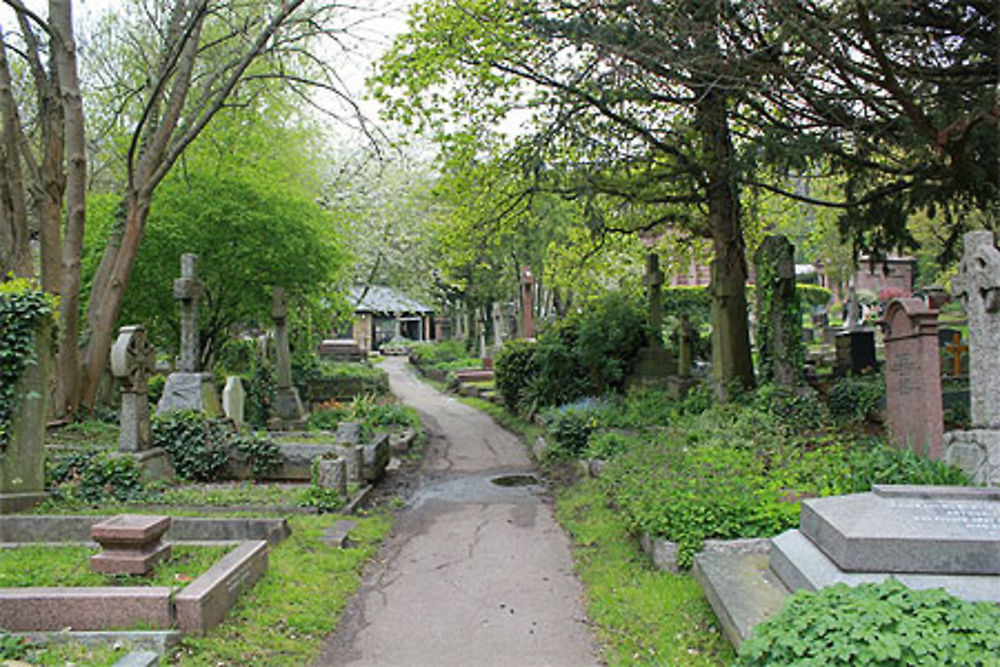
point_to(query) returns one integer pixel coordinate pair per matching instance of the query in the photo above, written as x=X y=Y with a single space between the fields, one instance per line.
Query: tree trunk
x=106 y=300
x=731 y=358
x=67 y=360
x=15 y=254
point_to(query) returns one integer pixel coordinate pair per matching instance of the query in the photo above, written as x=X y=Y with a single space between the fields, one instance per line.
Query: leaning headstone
x=234 y=400
x=189 y=388
x=913 y=377
x=22 y=460
x=287 y=404
x=779 y=314
x=977 y=451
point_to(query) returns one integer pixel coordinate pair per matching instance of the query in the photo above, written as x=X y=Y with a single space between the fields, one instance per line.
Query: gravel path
x=475 y=574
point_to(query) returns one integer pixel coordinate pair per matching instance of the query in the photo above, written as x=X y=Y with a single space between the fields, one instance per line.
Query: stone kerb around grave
x=913 y=377
x=22 y=462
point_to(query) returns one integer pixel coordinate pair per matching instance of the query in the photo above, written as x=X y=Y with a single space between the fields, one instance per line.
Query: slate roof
x=381 y=299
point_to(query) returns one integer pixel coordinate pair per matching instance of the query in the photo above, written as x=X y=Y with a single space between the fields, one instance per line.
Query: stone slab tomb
x=131 y=543
x=924 y=536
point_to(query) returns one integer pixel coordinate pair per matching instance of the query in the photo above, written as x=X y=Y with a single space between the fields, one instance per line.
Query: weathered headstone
x=853 y=314
x=527 y=303
x=287 y=404
x=653 y=279
x=779 y=314
x=234 y=400
x=498 y=333
x=912 y=377
x=22 y=461
x=331 y=473
x=685 y=356
x=855 y=350
x=189 y=388
x=977 y=450
x=132 y=362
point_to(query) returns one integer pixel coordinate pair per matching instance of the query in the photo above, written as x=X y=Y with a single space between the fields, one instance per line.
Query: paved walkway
x=475 y=574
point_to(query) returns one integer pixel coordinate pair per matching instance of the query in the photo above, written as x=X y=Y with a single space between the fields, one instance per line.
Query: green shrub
x=813 y=297
x=856 y=399
x=326 y=416
x=92 y=476
x=13 y=647
x=559 y=377
x=430 y=354
x=569 y=428
x=606 y=445
x=513 y=372
x=876 y=624
x=801 y=409
x=610 y=332
x=260 y=453
x=198 y=447
x=154 y=388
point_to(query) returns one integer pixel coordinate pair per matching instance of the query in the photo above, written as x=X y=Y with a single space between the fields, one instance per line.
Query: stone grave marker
x=527 y=305
x=132 y=362
x=331 y=473
x=924 y=536
x=131 y=543
x=287 y=404
x=779 y=318
x=234 y=400
x=498 y=333
x=977 y=451
x=913 y=378
x=189 y=388
x=22 y=461
x=653 y=364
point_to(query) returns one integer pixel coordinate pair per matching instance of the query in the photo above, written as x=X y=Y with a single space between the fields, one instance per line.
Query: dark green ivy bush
x=876 y=624
x=200 y=448
x=92 y=476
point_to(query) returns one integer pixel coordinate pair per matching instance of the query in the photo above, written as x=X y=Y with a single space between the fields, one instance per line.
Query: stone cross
x=853 y=320
x=913 y=377
x=956 y=349
x=132 y=362
x=528 y=308
x=188 y=290
x=287 y=404
x=283 y=361
x=653 y=279
x=685 y=354
x=497 y=324
x=978 y=286
x=779 y=315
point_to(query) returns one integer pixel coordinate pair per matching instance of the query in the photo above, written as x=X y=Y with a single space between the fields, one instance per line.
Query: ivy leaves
x=23 y=307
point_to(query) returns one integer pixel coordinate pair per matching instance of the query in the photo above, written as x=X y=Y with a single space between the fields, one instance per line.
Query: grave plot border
x=195 y=609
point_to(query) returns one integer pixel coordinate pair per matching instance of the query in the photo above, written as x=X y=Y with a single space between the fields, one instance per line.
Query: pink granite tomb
x=913 y=377
x=131 y=543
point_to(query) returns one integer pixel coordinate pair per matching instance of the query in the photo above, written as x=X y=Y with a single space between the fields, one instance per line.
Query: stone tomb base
x=190 y=391
x=11 y=503
x=926 y=537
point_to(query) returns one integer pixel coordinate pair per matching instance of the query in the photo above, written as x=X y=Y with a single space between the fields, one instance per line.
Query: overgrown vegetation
x=285 y=617
x=876 y=624
x=642 y=616
x=372 y=414
x=23 y=309
x=92 y=475
x=201 y=448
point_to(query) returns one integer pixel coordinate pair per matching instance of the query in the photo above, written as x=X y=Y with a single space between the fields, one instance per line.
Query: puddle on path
x=515 y=480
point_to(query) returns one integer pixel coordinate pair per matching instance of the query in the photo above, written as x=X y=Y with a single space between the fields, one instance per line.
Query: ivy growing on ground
x=876 y=624
x=94 y=476
x=23 y=307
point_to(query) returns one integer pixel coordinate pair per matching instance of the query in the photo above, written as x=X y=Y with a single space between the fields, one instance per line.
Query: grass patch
x=58 y=655
x=642 y=616
x=89 y=432
x=69 y=566
x=224 y=494
x=501 y=415
x=285 y=617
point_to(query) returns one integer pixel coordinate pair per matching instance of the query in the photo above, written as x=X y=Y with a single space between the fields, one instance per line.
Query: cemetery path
x=475 y=573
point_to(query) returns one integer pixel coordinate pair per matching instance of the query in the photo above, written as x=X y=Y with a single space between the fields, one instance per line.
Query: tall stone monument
x=913 y=377
x=22 y=459
x=779 y=314
x=132 y=362
x=287 y=404
x=653 y=363
x=527 y=303
x=977 y=450
x=189 y=388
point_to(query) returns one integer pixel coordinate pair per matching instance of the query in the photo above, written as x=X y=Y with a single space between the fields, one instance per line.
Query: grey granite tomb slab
x=801 y=565
x=941 y=530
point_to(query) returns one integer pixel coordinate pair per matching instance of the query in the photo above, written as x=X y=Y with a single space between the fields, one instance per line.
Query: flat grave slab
x=908 y=529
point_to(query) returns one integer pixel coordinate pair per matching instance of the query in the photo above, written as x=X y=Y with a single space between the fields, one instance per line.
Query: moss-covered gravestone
x=779 y=313
x=26 y=348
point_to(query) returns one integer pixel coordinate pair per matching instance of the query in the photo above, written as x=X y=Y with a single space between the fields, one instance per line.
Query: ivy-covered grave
x=26 y=350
